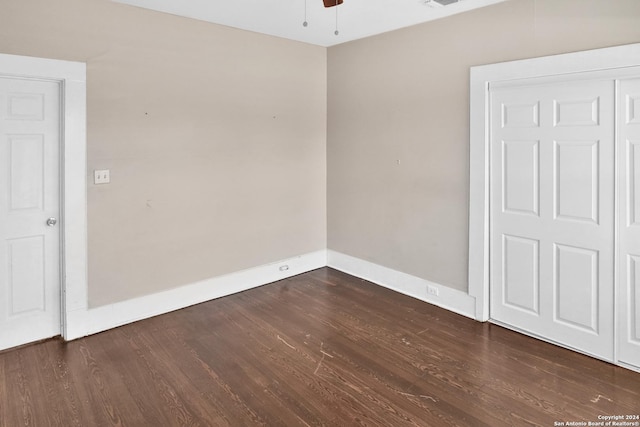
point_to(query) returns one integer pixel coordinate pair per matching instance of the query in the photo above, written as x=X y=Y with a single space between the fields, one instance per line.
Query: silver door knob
x=51 y=222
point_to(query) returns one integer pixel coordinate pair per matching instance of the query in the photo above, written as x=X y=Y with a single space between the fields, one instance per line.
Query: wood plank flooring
x=322 y=348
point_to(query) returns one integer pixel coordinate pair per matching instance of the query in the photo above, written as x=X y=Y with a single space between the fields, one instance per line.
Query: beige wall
x=217 y=144
x=398 y=124
x=215 y=139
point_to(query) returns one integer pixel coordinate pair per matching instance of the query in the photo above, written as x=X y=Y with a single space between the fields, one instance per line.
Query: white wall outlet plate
x=102 y=176
x=433 y=290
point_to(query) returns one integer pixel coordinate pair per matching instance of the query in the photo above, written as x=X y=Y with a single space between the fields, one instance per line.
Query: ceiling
x=284 y=18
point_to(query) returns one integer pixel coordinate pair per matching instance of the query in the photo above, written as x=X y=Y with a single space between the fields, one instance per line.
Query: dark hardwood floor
x=322 y=348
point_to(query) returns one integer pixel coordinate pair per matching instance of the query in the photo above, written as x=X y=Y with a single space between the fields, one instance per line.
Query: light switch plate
x=101 y=176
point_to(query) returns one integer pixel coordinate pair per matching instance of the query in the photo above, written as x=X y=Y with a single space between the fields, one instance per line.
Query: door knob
x=51 y=222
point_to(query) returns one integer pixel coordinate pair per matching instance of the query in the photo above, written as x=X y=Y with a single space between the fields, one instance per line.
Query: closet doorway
x=555 y=191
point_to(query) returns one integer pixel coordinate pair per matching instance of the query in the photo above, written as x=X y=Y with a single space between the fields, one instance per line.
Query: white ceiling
x=284 y=18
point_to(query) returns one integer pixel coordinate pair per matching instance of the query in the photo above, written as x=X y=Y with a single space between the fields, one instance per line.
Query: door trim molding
x=613 y=58
x=73 y=159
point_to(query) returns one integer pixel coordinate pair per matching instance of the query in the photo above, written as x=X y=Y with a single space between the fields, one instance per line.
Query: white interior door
x=552 y=211
x=629 y=223
x=29 y=196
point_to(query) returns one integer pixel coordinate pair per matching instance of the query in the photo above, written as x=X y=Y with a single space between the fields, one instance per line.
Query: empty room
x=320 y=212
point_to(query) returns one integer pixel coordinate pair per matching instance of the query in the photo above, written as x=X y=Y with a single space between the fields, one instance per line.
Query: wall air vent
x=438 y=3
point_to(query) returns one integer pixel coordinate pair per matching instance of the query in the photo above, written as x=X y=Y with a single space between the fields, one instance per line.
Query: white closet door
x=552 y=209
x=629 y=223
x=29 y=196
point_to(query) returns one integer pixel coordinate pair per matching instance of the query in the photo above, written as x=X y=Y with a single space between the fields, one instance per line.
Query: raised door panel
x=632 y=108
x=26 y=178
x=516 y=115
x=576 y=288
x=25 y=265
x=576 y=180
x=633 y=184
x=576 y=112
x=633 y=287
x=521 y=280
x=520 y=181
x=25 y=106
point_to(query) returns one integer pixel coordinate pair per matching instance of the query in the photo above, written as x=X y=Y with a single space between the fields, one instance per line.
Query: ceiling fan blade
x=331 y=3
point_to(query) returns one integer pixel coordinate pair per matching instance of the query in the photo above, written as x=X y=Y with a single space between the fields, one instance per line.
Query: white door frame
x=73 y=160
x=481 y=77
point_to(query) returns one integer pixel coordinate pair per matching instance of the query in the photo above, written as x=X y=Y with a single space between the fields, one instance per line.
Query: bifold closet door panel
x=629 y=222
x=552 y=210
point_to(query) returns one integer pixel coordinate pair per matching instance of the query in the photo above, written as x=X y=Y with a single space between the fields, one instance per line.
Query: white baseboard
x=81 y=323
x=447 y=298
x=628 y=366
